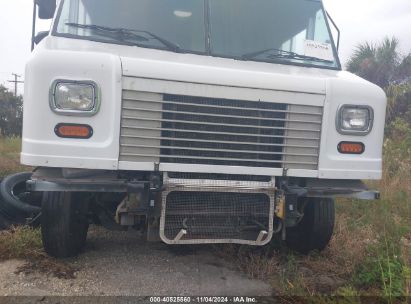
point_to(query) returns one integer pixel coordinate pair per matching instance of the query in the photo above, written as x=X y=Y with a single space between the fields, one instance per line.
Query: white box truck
x=195 y=121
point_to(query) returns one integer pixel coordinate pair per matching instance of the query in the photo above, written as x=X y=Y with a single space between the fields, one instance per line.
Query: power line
x=16 y=82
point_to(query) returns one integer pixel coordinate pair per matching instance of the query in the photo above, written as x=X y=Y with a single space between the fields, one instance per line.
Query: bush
x=382 y=271
x=11 y=113
x=20 y=243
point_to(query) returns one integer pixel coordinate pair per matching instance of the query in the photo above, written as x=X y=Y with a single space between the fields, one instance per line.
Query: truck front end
x=203 y=121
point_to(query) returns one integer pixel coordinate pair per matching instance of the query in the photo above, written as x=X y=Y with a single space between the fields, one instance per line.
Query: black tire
x=315 y=230
x=16 y=204
x=64 y=223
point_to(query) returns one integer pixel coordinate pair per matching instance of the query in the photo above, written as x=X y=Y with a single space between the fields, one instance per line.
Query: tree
x=11 y=113
x=381 y=63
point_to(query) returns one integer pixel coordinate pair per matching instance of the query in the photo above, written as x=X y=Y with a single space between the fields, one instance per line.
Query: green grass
x=25 y=243
x=20 y=243
x=10 y=156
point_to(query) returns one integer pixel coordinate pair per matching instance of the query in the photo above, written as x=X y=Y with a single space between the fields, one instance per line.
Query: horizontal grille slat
x=165 y=128
x=221 y=159
x=217 y=124
x=217 y=150
x=223 y=107
x=222 y=142
x=219 y=133
x=222 y=116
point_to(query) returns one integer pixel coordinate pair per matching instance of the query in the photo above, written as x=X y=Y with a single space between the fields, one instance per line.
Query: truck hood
x=190 y=68
x=157 y=64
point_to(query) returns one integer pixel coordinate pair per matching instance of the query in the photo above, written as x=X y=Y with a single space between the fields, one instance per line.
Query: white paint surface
x=192 y=75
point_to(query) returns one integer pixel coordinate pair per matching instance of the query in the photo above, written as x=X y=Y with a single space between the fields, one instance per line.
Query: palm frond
x=380 y=63
x=403 y=72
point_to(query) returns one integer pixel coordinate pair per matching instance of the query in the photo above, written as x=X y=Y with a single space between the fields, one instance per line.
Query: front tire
x=64 y=223
x=315 y=230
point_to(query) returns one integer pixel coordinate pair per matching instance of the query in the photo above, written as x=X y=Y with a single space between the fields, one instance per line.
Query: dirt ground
x=122 y=263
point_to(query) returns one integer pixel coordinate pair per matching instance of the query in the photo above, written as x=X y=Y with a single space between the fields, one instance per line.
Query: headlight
x=74 y=97
x=355 y=120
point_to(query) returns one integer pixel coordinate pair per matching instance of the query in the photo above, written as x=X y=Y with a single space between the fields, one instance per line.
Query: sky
x=358 y=20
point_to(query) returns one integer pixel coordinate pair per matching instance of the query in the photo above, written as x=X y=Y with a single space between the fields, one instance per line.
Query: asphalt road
x=121 y=263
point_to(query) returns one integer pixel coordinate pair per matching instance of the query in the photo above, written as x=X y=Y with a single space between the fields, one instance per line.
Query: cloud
x=370 y=20
x=15 y=37
x=393 y=9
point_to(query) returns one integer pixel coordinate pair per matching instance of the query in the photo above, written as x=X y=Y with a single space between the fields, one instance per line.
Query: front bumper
x=102 y=182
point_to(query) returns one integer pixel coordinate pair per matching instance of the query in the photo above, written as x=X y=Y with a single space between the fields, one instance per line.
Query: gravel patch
x=123 y=264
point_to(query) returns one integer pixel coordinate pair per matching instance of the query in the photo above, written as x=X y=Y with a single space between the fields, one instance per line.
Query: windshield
x=278 y=31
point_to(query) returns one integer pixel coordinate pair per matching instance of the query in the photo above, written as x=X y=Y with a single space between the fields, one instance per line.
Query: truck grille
x=210 y=131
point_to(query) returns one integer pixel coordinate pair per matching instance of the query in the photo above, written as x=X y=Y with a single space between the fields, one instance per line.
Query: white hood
x=165 y=65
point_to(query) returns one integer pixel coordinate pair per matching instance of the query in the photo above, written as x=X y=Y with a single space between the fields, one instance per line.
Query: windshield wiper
x=282 y=54
x=123 y=34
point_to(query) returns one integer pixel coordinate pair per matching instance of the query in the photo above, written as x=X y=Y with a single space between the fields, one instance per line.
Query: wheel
x=64 y=223
x=315 y=230
x=16 y=204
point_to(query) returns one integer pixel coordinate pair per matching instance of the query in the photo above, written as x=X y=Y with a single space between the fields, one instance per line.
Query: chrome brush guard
x=204 y=211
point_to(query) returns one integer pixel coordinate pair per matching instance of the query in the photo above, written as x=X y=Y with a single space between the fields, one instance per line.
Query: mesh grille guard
x=205 y=211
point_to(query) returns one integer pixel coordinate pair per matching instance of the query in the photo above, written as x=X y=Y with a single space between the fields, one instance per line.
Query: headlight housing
x=355 y=120
x=81 y=98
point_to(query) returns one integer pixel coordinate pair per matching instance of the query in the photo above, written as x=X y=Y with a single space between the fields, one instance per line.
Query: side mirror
x=40 y=36
x=46 y=8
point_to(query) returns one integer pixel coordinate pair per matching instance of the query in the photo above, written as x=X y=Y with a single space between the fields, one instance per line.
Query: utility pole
x=15 y=81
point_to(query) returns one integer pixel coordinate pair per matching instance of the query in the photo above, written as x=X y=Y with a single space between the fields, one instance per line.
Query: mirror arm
x=40 y=36
x=33 y=29
x=338 y=30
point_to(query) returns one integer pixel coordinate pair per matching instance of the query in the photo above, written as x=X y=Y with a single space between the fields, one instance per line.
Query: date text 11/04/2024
x=203 y=300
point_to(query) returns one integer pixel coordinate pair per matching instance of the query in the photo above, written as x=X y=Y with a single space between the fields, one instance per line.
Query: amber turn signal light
x=66 y=130
x=346 y=147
